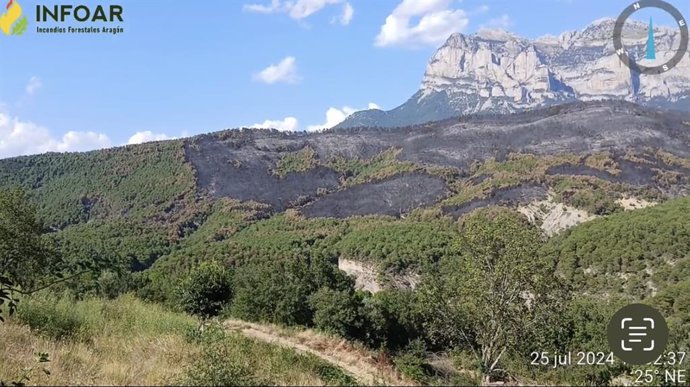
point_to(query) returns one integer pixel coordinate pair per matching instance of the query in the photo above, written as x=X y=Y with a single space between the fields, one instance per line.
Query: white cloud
x=147 y=136
x=285 y=71
x=19 y=137
x=435 y=21
x=301 y=9
x=334 y=116
x=481 y=9
x=33 y=85
x=288 y=124
x=259 y=8
x=346 y=17
x=305 y=8
x=78 y=141
x=504 y=22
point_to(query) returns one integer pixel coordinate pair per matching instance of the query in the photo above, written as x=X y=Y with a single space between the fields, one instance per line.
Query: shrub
x=207 y=290
x=111 y=285
x=279 y=291
x=232 y=359
x=337 y=311
x=300 y=161
x=392 y=319
x=412 y=362
x=219 y=366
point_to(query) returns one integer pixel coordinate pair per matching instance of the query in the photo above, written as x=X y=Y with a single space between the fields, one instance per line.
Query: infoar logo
x=11 y=20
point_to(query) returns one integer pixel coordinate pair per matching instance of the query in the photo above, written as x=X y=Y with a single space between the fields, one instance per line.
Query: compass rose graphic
x=651 y=45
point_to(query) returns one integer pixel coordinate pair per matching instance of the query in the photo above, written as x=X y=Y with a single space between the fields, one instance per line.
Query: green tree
x=278 y=291
x=24 y=251
x=207 y=289
x=337 y=311
x=26 y=256
x=491 y=296
x=30 y=260
x=392 y=318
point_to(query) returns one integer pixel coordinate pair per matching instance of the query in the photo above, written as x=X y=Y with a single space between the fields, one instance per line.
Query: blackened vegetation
x=394 y=197
x=242 y=164
x=246 y=174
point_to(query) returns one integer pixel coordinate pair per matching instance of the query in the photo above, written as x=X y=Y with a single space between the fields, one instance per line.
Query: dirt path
x=357 y=362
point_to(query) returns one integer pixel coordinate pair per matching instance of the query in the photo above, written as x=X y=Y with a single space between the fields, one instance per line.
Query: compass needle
x=651 y=46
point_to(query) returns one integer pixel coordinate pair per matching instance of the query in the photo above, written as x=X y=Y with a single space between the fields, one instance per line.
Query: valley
x=528 y=190
x=598 y=187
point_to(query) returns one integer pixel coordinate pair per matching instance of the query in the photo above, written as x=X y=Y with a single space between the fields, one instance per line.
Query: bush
x=207 y=290
x=279 y=291
x=232 y=359
x=392 y=319
x=412 y=362
x=111 y=285
x=219 y=366
x=337 y=311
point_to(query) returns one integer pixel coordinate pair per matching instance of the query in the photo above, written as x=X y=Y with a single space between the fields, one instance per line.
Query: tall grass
x=129 y=342
x=64 y=318
x=93 y=341
x=232 y=359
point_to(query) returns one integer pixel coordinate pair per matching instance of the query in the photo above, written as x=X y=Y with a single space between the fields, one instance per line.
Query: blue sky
x=183 y=68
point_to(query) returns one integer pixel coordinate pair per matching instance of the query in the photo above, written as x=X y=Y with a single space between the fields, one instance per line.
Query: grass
x=232 y=359
x=380 y=167
x=369 y=366
x=129 y=342
x=118 y=342
x=300 y=161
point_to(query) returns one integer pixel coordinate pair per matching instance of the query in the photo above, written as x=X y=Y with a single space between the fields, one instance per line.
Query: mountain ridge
x=497 y=71
x=357 y=171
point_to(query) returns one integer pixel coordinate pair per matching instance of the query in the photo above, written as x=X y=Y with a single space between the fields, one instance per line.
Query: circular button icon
x=638 y=334
x=618 y=37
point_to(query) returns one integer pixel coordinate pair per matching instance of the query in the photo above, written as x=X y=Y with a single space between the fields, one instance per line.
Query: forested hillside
x=253 y=225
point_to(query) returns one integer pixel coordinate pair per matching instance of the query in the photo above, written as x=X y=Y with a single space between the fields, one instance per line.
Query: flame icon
x=11 y=21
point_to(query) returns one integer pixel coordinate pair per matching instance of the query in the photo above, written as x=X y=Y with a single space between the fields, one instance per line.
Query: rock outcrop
x=498 y=72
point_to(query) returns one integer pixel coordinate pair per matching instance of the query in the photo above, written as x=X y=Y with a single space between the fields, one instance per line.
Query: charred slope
x=243 y=164
x=446 y=161
x=393 y=197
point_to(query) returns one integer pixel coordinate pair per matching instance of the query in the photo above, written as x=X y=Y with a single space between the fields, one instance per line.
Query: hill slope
x=128 y=342
x=267 y=206
x=139 y=202
x=252 y=194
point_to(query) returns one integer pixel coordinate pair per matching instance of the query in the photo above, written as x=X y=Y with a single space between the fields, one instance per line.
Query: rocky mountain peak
x=496 y=34
x=457 y=40
x=499 y=72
